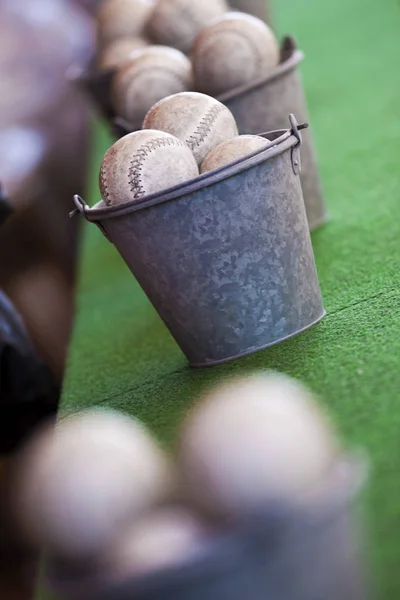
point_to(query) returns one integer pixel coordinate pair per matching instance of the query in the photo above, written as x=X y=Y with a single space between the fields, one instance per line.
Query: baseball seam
x=139 y=159
x=204 y=127
x=103 y=184
x=157 y=69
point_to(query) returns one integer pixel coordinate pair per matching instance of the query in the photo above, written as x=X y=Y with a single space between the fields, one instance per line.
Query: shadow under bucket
x=265 y=104
x=313 y=552
x=226 y=259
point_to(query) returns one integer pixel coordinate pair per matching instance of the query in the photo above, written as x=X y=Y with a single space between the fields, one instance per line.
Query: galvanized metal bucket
x=312 y=553
x=266 y=103
x=96 y=83
x=226 y=259
x=257 y=8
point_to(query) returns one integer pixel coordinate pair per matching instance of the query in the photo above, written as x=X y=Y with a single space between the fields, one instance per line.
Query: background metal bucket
x=258 y=8
x=96 y=84
x=312 y=553
x=266 y=103
x=226 y=259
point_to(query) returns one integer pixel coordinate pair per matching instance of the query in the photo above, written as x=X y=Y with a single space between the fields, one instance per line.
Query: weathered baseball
x=122 y=18
x=118 y=51
x=176 y=23
x=80 y=487
x=254 y=443
x=149 y=75
x=233 y=50
x=199 y=120
x=143 y=163
x=232 y=150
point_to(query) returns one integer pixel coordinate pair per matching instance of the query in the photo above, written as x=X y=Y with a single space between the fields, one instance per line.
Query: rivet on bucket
x=226 y=259
x=266 y=103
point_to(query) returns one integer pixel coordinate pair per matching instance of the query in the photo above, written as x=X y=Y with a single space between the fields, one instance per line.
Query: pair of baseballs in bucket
x=229 y=51
x=183 y=135
x=99 y=495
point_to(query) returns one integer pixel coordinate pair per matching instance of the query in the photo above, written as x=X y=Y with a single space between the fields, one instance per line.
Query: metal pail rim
x=287 y=138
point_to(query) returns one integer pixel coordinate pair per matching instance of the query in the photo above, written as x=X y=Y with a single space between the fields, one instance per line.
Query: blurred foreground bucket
x=226 y=259
x=311 y=553
x=266 y=103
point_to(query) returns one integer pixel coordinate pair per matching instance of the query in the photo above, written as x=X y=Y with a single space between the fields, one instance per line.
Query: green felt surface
x=122 y=356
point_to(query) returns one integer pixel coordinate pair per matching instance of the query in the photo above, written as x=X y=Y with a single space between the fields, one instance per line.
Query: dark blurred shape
x=28 y=396
x=28 y=392
x=43 y=162
x=89 y=5
x=97 y=85
x=5 y=207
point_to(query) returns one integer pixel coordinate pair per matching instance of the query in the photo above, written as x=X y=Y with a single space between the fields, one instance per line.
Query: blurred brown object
x=18 y=565
x=43 y=158
x=43 y=151
x=17 y=578
x=29 y=392
x=43 y=295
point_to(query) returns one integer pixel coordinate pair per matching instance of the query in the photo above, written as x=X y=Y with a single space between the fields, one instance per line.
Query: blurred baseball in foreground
x=119 y=51
x=149 y=75
x=165 y=538
x=199 y=120
x=232 y=51
x=255 y=443
x=143 y=163
x=176 y=23
x=80 y=487
x=232 y=150
x=121 y=18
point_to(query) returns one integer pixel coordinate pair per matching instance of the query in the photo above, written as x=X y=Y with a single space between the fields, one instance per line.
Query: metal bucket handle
x=281 y=135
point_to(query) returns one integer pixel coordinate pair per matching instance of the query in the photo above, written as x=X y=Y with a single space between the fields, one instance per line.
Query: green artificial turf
x=122 y=356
